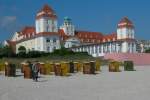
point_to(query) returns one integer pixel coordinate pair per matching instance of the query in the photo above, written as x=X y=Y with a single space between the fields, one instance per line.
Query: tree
x=147 y=50
x=21 y=51
x=63 y=51
x=6 y=51
x=34 y=54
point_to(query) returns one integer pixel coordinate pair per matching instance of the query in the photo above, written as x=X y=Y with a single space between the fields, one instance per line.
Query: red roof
x=48 y=33
x=89 y=37
x=46 y=11
x=125 y=22
x=28 y=30
x=83 y=36
x=110 y=37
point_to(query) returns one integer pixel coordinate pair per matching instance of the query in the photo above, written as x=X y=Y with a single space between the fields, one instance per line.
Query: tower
x=68 y=27
x=125 y=29
x=125 y=34
x=46 y=20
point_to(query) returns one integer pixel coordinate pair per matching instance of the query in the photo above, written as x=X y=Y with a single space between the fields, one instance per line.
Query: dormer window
x=80 y=35
x=86 y=36
x=113 y=39
x=93 y=40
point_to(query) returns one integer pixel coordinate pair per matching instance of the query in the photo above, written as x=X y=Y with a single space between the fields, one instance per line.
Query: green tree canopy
x=6 y=51
x=22 y=49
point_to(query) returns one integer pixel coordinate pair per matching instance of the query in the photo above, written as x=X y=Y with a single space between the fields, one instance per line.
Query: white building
x=46 y=36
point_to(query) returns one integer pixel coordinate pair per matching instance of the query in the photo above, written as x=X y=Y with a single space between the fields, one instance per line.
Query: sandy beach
x=106 y=85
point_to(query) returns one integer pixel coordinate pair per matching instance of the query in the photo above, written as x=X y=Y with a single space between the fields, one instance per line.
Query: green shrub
x=62 y=52
x=128 y=66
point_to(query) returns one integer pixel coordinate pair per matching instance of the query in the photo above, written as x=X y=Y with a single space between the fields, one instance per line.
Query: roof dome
x=67 y=20
x=46 y=11
x=125 y=22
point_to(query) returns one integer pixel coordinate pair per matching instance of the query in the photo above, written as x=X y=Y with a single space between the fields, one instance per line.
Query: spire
x=125 y=22
x=46 y=11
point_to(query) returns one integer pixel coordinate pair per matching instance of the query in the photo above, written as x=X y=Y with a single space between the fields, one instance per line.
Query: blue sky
x=91 y=15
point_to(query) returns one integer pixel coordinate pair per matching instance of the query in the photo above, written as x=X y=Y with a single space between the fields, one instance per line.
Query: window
x=54 y=48
x=49 y=22
x=48 y=48
x=47 y=28
x=86 y=36
x=53 y=28
x=54 y=40
x=52 y=22
x=67 y=29
x=47 y=40
x=93 y=40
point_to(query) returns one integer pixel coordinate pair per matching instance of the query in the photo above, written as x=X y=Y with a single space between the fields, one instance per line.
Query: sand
x=104 y=86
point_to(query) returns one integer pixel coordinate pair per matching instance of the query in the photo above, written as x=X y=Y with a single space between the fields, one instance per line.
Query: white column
x=94 y=48
x=102 y=47
x=110 y=47
x=134 y=48
x=83 y=48
x=80 y=49
x=98 y=47
x=90 y=50
x=130 y=47
x=105 y=48
x=117 y=47
x=77 y=49
x=87 y=49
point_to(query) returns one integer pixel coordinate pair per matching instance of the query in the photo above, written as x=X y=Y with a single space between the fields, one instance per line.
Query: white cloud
x=7 y=21
x=9 y=24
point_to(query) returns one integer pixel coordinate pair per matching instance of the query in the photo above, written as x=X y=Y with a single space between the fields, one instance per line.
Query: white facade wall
x=124 y=47
x=68 y=29
x=51 y=43
x=41 y=44
x=123 y=33
x=16 y=37
x=71 y=42
x=110 y=47
x=29 y=45
x=46 y=25
x=96 y=50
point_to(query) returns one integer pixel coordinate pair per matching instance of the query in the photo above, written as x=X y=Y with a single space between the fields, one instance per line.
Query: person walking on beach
x=30 y=66
x=35 y=71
